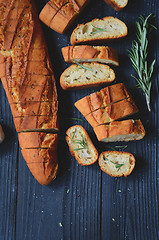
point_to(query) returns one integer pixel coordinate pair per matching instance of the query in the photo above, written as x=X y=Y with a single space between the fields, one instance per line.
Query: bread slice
x=111 y=113
x=41 y=140
x=117 y=4
x=59 y=15
x=116 y=163
x=127 y=130
x=86 y=53
x=81 y=146
x=86 y=75
x=108 y=28
x=104 y=98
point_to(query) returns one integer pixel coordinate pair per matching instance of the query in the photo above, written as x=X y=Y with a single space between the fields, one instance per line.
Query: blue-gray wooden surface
x=83 y=202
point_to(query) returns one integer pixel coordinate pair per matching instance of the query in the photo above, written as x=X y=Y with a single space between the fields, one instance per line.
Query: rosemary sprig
x=139 y=56
x=117 y=165
x=97 y=29
x=83 y=67
x=82 y=142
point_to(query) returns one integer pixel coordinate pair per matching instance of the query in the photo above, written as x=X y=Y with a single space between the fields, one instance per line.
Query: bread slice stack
x=102 y=109
x=28 y=80
x=59 y=15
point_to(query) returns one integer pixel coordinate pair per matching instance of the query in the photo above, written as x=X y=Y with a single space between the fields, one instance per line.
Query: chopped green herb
x=117 y=165
x=74 y=134
x=82 y=144
x=121 y=147
x=68 y=190
x=97 y=29
x=83 y=67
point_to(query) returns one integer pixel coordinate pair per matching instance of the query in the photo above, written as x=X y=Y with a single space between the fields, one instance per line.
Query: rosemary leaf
x=139 y=56
x=97 y=29
x=117 y=165
x=83 y=67
x=82 y=142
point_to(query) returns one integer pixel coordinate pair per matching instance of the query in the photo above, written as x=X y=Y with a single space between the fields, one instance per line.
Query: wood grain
x=83 y=202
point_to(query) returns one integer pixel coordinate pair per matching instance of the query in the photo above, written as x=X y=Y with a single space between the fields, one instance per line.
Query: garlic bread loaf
x=85 y=75
x=81 y=146
x=108 y=28
x=112 y=112
x=104 y=98
x=117 y=4
x=126 y=130
x=116 y=163
x=59 y=15
x=29 y=83
x=86 y=53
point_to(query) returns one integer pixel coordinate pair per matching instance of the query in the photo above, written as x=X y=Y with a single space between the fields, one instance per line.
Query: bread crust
x=41 y=140
x=27 y=77
x=103 y=166
x=59 y=15
x=114 y=5
x=86 y=53
x=125 y=127
x=104 y=98
x=87 y=141
x=89 y=39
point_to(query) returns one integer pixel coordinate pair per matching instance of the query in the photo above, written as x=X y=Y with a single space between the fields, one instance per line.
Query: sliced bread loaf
x=112 y=112
x=117 y=164
x=86 y=53
x=2 y=136
x=84 y=75
x=127 y=130
x=81 y=146
x=117 y=4
x=107 y=28
x=104 y=98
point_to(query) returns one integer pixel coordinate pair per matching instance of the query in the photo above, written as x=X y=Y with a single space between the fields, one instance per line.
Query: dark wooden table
x=83 y=202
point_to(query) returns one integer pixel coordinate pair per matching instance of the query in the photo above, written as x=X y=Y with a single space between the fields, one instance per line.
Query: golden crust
x=112 y=112
x=86 y=53
x=37 y=140
x=126 y=127
x=105 y=97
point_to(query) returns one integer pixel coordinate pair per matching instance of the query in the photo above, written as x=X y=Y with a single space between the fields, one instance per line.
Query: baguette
x=28 y=80
x=127 y=130
x=118 y=5
x=104 y=98
x=81 y=146
x=108 y=28
x=86 y=75
x=117 y=164
x=112 y=112
x=59 y=15
x=86 y=53
x=2 y=136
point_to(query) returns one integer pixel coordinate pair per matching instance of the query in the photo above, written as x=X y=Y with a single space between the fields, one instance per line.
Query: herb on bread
x=139 y=56
x=82 y=142
x=117 y=165
x=97 y=29
x=83 y=67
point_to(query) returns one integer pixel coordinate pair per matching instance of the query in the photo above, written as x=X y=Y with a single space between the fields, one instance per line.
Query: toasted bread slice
x=108 y=28
x=81 y=146
x=104 y=98
x=111 y=113
x=86 y=75
x=86 y=53
x=127 y=130
x=117 y=4
x=117 y=164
